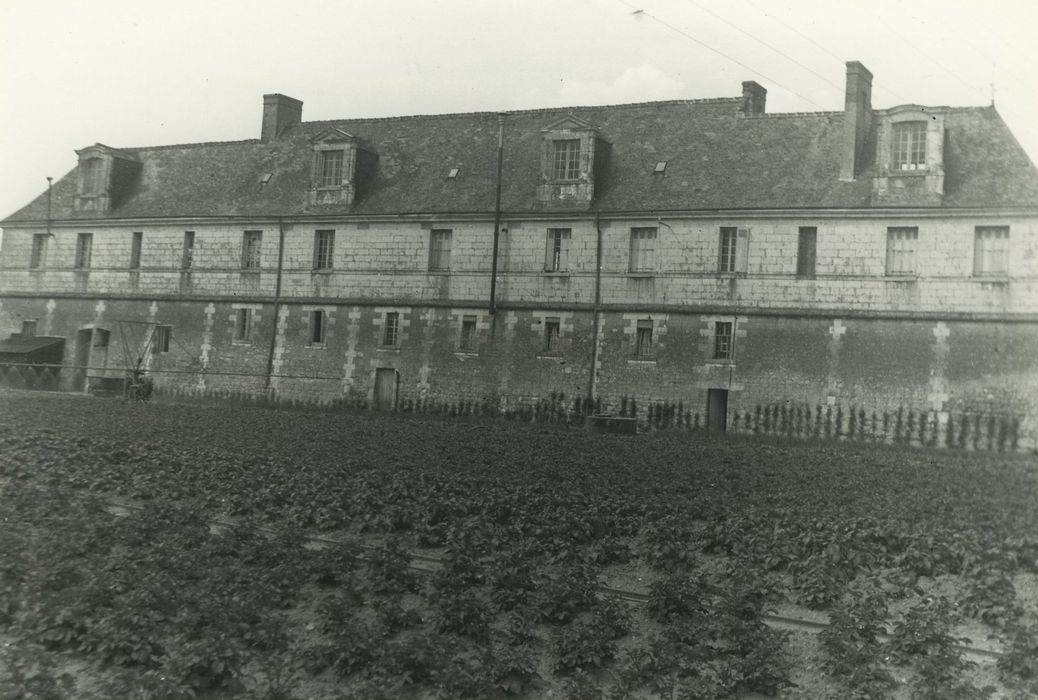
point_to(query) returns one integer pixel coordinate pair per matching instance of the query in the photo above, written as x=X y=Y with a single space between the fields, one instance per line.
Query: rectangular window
x=84 y=243
x=643 y=249
x=467 y=343
x=723 y=340
x=324 y=249
x=643 y=340
x=188 y=256
x=556 y=250
x=162 y=336
x=251 y=245
x=243 y=326
x=806 y=247
x=29 y=328
x=440 y=249
x=734 y=247
x=909 y=146
x=39 y=251
x=391 y=329
x=991 y=251
x=901 y=245
x=317 y=327
x=92 y=172
x=331 y=169
x=566 y=159
x=135 y=250
x=552 y=328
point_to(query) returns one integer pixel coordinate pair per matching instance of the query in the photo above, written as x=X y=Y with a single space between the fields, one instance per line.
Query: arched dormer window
x=908 y=146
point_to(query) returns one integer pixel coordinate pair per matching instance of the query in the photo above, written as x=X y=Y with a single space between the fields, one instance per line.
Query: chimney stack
x=753 y=97
x=279 y=113
x=857 y=119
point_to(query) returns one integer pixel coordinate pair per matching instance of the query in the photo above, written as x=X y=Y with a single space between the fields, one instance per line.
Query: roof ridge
x=195 y=143
x=535 y=110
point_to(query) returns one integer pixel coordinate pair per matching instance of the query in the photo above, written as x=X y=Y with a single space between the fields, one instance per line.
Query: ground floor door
x=386 y=382
x=717 y=410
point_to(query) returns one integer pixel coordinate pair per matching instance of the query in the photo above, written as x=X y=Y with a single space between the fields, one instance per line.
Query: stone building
x=879 y=265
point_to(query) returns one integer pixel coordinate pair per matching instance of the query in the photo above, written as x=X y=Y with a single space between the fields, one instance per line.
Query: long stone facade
x=892 y=321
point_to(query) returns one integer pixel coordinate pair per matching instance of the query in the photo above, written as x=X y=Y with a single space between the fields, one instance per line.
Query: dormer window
x=93 y=171
x=908 y=142
x=566 y=159
x=331 y=169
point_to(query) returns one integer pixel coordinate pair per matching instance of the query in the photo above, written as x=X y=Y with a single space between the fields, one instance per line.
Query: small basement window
x=552 y=327
x=243 y=326
x=643 y=340
x=391 y=330
x=723 y=340
x=163 y=335
x=467 y=342
x=317 y=324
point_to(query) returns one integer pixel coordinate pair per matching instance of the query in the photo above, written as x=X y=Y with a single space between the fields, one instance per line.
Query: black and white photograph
x=564 y=350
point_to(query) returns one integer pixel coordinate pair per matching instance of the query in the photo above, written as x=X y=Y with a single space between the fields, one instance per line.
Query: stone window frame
x=187 y=253
x=468 y=337
x=991 y=260
x=136 y=249
x=252 y=249
x=807 y=242
x=38 y=253
x=552 y=336
x=162 y=335
x=390 y=331
x=908 y=146
x=565 y=159
x=556 y=249
x=318 y=329
x=440 y=240
x=902 y=251
x=245 y=319
x=324 y=250
x=733 y=250
x=644 y=339
x=724 y=341
x=84 y=251
x=642 y=257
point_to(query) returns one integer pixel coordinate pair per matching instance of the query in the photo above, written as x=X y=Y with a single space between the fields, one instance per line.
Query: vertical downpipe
x=277 y=303
x=592 y=391
x=497 y=221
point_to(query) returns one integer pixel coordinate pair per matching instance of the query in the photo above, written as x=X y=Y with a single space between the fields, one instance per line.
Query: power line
x=718 y=52
x=767 y=45
x=840 y=59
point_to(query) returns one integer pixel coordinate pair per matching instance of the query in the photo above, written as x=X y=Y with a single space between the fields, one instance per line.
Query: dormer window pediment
x=104 y=173
x=910 y=155
x=339 y=161
x=568 y=162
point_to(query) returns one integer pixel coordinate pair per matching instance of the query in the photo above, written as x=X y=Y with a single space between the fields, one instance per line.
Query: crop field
x=169 y=551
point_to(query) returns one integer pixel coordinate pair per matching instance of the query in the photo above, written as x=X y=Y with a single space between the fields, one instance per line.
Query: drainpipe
x=277 y=302
x=497 y=218
x=596 y=321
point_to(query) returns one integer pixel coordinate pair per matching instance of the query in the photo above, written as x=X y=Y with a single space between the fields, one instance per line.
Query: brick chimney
x=279 y=112
x=753 y=97
x=857 y=119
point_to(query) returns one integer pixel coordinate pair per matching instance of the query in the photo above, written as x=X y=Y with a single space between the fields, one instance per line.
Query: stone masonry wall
x=944 y=371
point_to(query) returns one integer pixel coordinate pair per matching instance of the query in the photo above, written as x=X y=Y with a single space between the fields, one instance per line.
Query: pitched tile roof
x=716 y=159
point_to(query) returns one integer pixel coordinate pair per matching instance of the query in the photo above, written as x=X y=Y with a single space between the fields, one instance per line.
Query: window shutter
x=549 y=249
x=742 y=247
x=564 y=251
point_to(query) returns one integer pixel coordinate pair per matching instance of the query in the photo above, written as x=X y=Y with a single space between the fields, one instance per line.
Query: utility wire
x=767 y=45
x=736 y=61
x=841 y=59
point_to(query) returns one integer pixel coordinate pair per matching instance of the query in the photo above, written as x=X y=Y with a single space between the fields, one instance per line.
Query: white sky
x=131 y=73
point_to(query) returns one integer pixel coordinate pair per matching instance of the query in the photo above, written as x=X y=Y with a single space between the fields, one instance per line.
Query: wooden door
x=386 y=382
x=717 y=410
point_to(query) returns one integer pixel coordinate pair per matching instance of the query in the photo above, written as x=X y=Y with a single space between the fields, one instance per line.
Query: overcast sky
x=132 y=73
